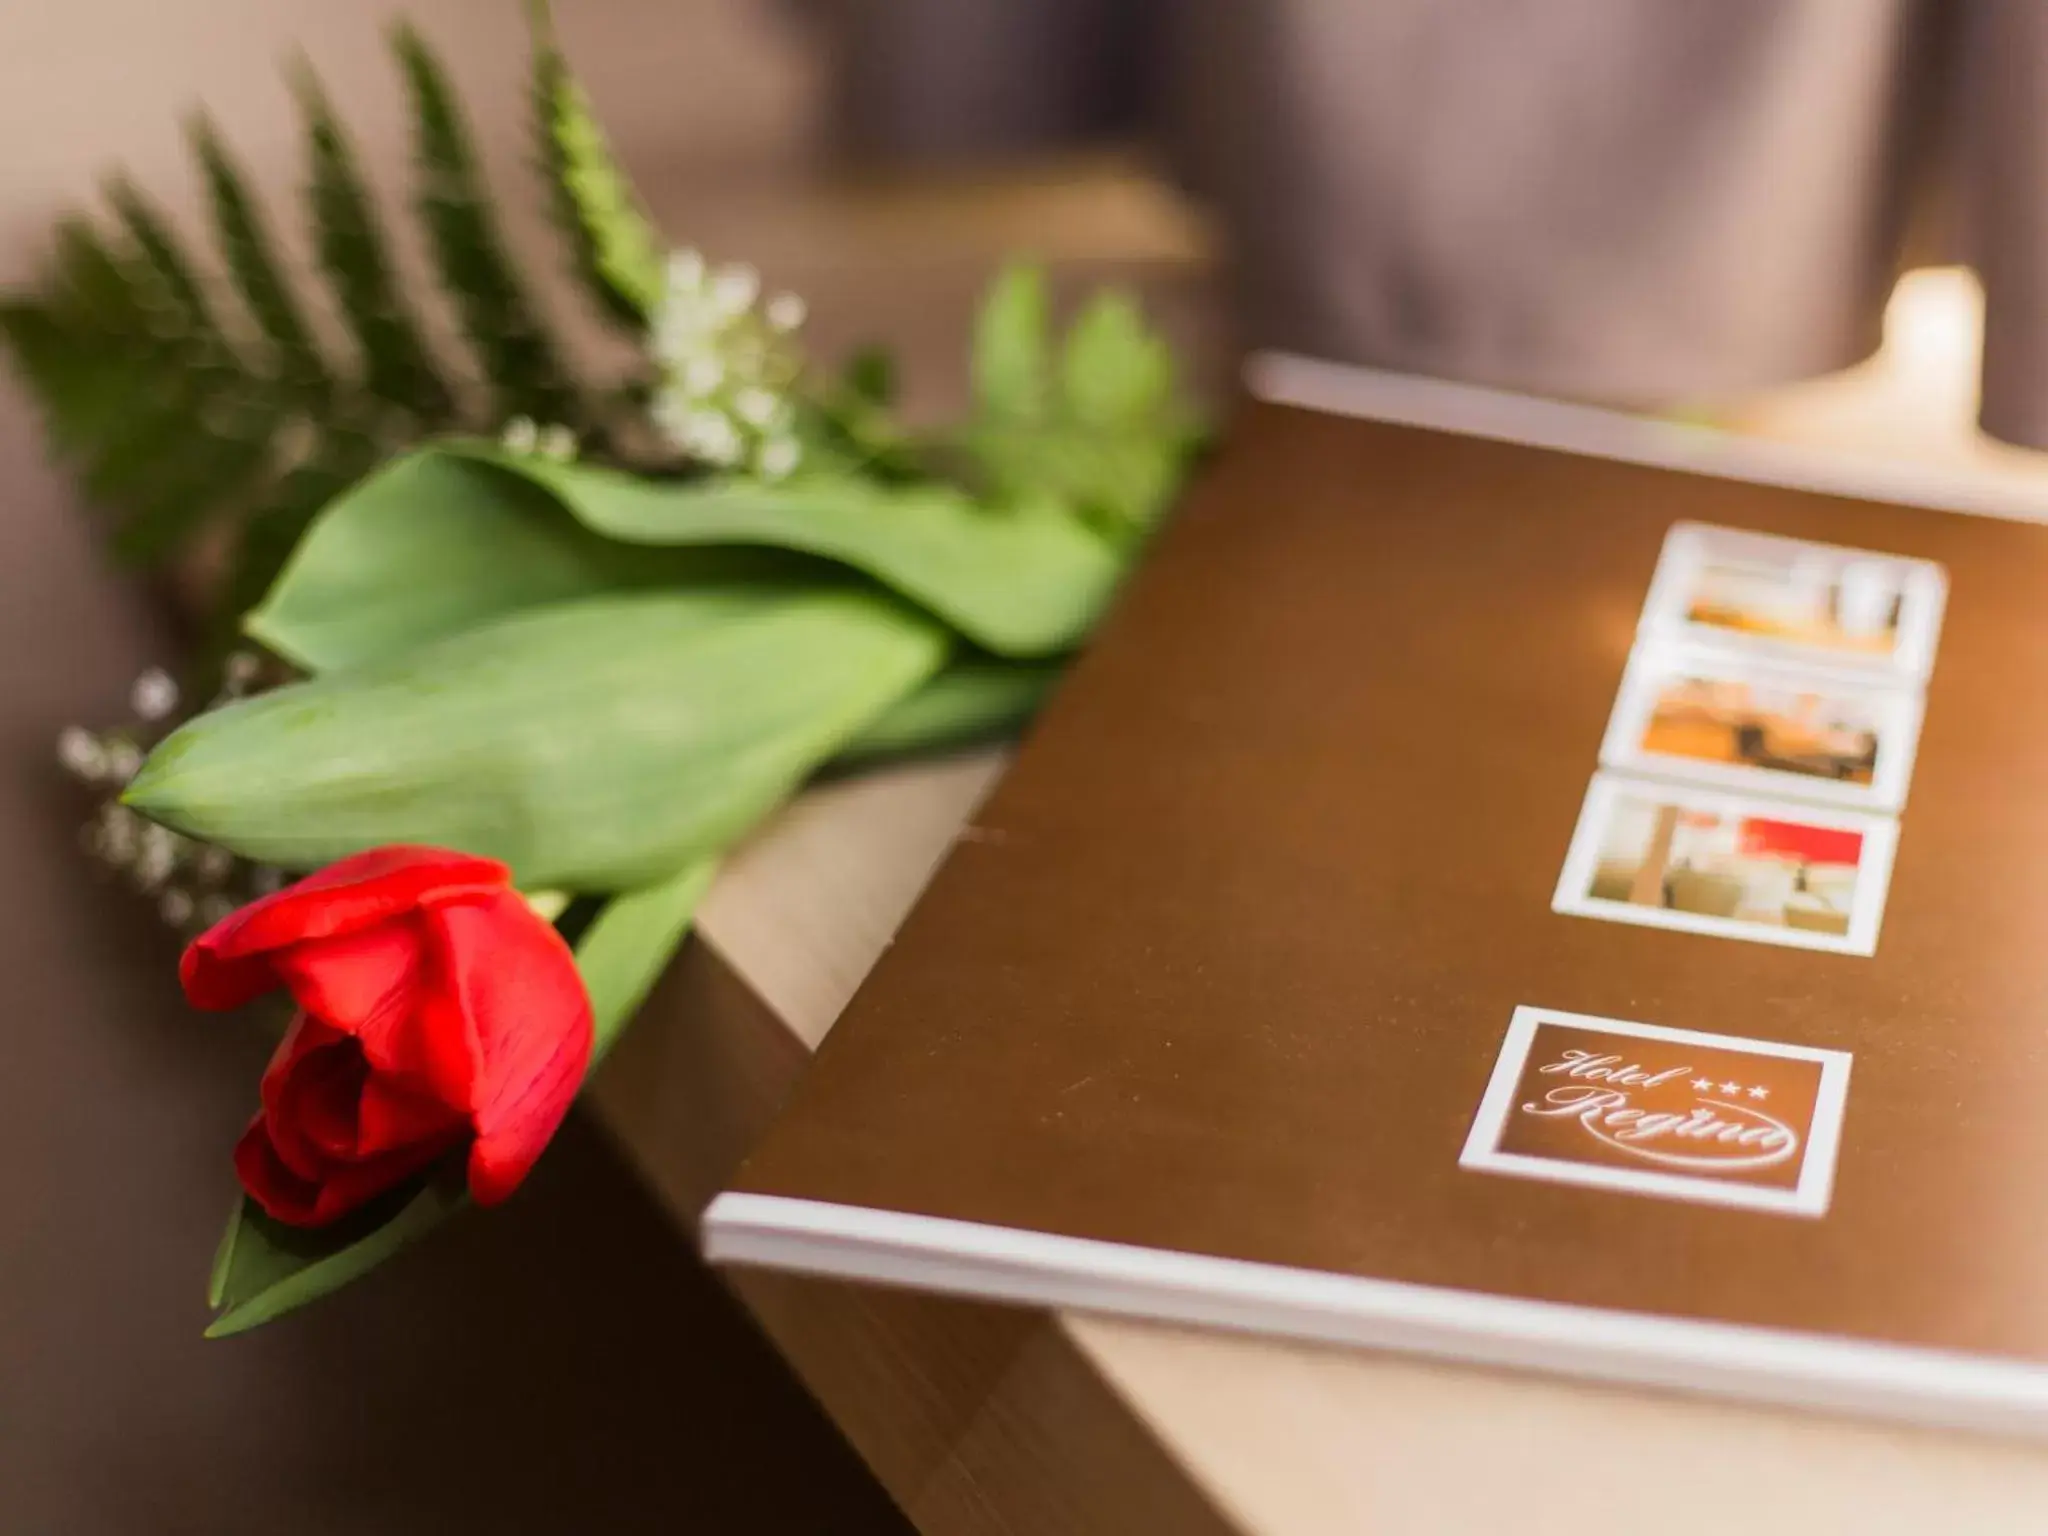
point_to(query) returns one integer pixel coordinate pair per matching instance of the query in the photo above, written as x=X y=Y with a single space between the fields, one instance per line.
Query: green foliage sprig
x=193 y=402
x=615 y=249
x=1093 y=419
x=799 y=585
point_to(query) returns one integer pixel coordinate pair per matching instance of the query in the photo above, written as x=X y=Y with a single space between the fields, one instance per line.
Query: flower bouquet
x=535 y=650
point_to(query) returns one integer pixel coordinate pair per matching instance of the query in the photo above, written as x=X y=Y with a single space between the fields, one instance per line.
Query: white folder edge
x=967 y=1258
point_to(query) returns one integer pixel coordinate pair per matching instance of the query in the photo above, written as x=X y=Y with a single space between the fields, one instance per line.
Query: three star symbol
x=1730 y=1090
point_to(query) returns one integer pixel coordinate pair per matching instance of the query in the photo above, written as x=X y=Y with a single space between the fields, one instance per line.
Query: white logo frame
x=1810 y=1197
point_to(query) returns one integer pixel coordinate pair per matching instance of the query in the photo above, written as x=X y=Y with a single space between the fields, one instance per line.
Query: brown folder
x=1247 y=999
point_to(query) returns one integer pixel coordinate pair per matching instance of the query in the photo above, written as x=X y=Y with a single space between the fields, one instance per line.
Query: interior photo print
x=1724 y=720
x=1671 y=856
x=1796 y=601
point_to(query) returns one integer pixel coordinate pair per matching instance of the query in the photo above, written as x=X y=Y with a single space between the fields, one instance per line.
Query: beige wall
x=712 y=104
x=693 y=91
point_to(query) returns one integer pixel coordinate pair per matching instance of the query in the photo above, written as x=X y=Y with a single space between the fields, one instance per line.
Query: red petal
x=371 y=984
x=230 y=963
x=515 y=984
x=314 y=1202
x=326 y=1105
x=303 y=1057
x=357 y=982
x=392 y=1115
x=271 y=1182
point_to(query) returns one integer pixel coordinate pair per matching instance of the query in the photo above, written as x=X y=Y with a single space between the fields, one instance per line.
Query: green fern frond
x=45 y=348
x=870 y=377
x=73 y=343
x=138 y=384
x=274 y=525
x=265 y=292
x=397 y=367
x=195 y=478
x=85 y=348
x=520 y=363
x=181 y=406
x=137 y=359
x=122 y=470
x=613 y=248
x=162 y=259
x=186 y=349
x=96 y=288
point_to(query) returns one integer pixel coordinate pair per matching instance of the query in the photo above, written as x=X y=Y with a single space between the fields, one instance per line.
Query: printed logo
x=1720 y=1137
x=1668 y=1112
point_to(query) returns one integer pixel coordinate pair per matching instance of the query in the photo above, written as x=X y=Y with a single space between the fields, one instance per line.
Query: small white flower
x=215 y=909
x=668 y=336
x=124 y=761
x=521 y=435
x=681 y=331
x=213 y=865
x=778 y=457
x=241 y=670
x=713 y=438
x=267 y=881
x=685 y=271
x=756 y=406
x=116 y=833
x=747 y=355
x=156 y=857
x=154 y=695
x=701 y=375
x=734 y=290
x=723 y=364
x=670 y=413
x=558 y=443
x=79 y=750
x=695 y=427
x=175 y=907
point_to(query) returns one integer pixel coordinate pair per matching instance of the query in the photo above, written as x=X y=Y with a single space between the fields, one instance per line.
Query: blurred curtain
x=951 y=81
x=1637 y=201
x=2001 y=196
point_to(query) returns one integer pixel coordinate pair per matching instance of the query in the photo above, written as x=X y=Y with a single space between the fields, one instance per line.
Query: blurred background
x=1816 y=220
x=1618 y=201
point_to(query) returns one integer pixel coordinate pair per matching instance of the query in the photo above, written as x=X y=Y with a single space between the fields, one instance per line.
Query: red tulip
x=436 y=1008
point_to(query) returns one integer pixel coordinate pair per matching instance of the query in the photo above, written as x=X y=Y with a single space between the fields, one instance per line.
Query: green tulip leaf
x=435 y=543
x=265 y=1269
x=624 y=950
x=593 y=745
x=967 y=704
x=1025 y=579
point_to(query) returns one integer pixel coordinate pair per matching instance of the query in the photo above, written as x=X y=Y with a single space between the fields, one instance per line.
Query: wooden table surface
x=987 y=1419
